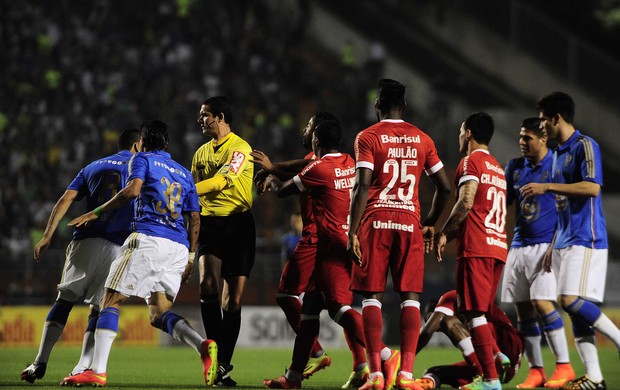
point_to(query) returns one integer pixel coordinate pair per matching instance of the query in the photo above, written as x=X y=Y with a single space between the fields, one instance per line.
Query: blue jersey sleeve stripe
x=589 y=154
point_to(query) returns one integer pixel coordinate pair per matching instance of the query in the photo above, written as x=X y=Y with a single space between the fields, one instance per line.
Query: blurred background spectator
x=75 y=73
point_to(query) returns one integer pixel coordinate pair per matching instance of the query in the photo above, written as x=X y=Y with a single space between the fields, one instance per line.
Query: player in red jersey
x=443 y=317
x=298 y=269
x=329 y=180
x=385 y=226
x=478 y=222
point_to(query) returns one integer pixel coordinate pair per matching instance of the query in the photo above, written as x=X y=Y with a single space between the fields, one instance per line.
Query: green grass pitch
x=180 y=368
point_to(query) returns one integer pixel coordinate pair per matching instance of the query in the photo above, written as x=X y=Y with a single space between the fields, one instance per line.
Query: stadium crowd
x=74 y=74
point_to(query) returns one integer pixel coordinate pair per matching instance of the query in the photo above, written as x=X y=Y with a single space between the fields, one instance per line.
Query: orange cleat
x=374 y=384
x=317 y=363
x=282 y=383
x=390 y=369
x=535 y=378
x=209 y=361
x=562 y=374
x=86 y=378
x=402 y=382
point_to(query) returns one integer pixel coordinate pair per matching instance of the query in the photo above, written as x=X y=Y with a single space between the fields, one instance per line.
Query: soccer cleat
x=535 y=378
x=374 y=384
x=86 y=378
x=223 y=378
x=562 y=374
x=502 y=363
x=426 y=383
x=584 y=383
x=282 y=383
x=390 y=369
x=316 y=363
x=479 y=384
x=209 y=361
x=402 y=382
x=63 y=382
x=33 y=372
x=357 y=378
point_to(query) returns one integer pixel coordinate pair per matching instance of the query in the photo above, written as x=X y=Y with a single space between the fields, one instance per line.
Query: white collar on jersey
x=392 y=120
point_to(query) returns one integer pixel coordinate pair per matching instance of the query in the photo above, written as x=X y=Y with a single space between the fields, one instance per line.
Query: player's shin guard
x=555 y=335
x=52 y=330
x=483 y=344
x=351 y=321
x=409 y=333
x=88 y=343
x=308 y=332
x=291 y=306
x=373 y=325
x=231 y=323
x=531 y=340
x=211 y=313
x=586 y=347
x=107 y=328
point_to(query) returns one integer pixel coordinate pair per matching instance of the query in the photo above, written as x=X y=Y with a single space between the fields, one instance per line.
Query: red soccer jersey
x=397 y=152
x=483 y=233
x=305 y=207
x=329 y=181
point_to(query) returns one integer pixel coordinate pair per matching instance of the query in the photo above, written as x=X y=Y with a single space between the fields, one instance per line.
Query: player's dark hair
x=324 y=116
x=481 y=126
x=219 y=105
x=329 y=134
x=533 y=125
x=391 y=95
x=127 y=138
x=155 y=135
x=557 y=103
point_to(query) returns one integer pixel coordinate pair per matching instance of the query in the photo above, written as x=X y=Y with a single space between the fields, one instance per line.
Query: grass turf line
x=180 y=368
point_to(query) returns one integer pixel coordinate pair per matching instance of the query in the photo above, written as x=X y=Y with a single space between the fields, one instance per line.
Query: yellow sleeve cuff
x=215 y=183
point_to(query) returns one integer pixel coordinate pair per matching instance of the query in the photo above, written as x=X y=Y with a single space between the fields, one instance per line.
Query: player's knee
x=543 y=307
x=232 y=305
x=566 y=300
x=155 y=320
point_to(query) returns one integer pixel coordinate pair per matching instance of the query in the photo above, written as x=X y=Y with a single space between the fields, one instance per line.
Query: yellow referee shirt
x=231 y=159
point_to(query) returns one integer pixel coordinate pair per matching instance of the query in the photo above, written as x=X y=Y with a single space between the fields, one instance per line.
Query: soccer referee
x=223 y=174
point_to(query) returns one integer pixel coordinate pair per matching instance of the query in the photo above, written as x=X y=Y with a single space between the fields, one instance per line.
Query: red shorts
x=447 y=302
x=390 y=239
x=299 y=267
x=477 y=279
x=332 y=273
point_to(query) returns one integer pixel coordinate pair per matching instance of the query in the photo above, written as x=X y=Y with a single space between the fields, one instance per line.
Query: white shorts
x=87 y=265
x=582 y=272
x=524 y=279
x=148 y=265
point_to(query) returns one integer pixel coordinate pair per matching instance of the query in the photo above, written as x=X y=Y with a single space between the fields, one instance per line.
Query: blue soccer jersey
x=536 y=217
x=98 y=182
x=580 y=219
x=168 y=191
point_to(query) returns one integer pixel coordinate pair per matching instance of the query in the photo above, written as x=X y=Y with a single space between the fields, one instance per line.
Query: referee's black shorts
x=232 y=239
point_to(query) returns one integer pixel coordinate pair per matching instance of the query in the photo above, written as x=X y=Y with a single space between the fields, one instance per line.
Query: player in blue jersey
x=89 y=254
x=155 y=259
x=580 y=246
x=525 y=283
